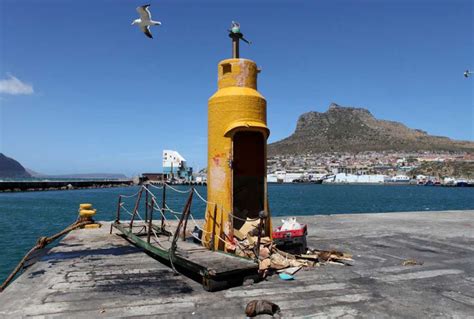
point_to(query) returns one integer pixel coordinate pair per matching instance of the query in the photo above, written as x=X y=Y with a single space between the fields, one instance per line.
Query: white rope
x=179 y=191
x=130 y=196
x=154 y=186
x=202 y=198
x=149 y=192
x=199 y=227
x=172 y=211
x=131 y=214
x=156 y=238
x=161 y=212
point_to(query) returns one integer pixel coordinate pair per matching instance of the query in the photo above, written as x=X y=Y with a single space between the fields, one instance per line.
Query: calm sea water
x=26 y=216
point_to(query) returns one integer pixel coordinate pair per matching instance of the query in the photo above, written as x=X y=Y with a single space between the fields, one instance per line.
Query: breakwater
x=22 y=186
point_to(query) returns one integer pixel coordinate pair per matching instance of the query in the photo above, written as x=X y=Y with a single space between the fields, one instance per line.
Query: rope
x=195 y=223
x=41 y=243
x=202 y=198
x=154 y=186
x=172 y=211
x=149 y=192
x=156 y=238
x=130 y=196
x=131 y=214
x=175 y=213
x=179 y=191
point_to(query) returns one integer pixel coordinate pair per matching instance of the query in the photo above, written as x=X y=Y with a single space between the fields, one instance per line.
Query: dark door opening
x=248 y=167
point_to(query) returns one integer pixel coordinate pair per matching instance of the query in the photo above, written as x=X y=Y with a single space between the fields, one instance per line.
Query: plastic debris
x=290 y=224
x=290 y=271
x=262 y=307
x=285 y=276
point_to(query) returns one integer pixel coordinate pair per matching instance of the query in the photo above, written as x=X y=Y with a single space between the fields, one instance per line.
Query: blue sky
x=84 y=91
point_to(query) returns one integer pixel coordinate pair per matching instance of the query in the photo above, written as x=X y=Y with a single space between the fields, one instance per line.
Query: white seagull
x=145 y=20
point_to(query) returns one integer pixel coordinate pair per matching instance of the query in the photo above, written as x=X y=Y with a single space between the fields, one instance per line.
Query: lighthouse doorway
x=248 y=167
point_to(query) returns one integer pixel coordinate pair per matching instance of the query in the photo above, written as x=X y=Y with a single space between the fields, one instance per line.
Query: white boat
x=402 y=179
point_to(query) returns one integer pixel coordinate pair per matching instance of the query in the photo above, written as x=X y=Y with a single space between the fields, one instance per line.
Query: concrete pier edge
x=94 y=274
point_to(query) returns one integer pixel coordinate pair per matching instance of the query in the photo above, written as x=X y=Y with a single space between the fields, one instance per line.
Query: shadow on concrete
x=57 y=257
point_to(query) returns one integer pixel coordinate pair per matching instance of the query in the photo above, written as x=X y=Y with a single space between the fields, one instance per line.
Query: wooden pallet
x=215 y=270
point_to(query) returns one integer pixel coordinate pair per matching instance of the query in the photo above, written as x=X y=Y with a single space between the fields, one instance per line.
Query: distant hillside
x=445 y=169
x=349 y=129
x=9 y=168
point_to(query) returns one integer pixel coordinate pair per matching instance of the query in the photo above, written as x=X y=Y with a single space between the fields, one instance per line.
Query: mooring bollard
x=86 y=213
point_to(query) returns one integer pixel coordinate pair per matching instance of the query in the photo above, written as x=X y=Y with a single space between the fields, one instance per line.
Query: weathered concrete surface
x=94 y=274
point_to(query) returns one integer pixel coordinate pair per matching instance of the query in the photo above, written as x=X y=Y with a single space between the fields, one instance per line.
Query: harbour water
x=26 y=216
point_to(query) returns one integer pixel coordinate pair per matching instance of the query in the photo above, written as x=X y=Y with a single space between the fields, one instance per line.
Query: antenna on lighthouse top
x=236 y=35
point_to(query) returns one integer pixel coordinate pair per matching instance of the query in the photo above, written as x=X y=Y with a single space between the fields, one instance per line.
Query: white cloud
x=14 y=86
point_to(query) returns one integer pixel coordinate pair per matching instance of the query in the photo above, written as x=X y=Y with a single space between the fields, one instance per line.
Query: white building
x=356 y=179
x=175 y=165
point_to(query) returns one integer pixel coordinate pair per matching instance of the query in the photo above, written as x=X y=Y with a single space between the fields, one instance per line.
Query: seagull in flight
x=467 y=73
x=145 y=20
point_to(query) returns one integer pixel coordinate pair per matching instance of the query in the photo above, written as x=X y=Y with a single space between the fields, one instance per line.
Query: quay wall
x=22 y=186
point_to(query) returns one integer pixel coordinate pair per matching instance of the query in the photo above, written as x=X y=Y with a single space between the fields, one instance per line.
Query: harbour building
x=175 y=167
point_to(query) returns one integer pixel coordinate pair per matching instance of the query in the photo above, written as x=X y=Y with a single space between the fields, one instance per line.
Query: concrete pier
x=93 y=274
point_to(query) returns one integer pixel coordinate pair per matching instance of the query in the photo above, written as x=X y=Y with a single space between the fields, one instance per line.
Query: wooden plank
x=215 y=267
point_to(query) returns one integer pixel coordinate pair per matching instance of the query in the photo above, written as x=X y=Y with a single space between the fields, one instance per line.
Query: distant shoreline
x=36 y=186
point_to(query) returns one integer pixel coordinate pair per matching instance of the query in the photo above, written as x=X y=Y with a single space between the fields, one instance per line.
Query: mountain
x=457 y=169
x=351 y=129
x=79 y=176
x=9 y=168
x=33 y=173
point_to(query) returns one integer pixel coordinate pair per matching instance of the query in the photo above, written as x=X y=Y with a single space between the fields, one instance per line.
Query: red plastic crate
x=278 y=234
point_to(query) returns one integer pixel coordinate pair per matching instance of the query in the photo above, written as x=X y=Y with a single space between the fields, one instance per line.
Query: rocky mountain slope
x=349 y=129
x=9 y=168
x=445 y=169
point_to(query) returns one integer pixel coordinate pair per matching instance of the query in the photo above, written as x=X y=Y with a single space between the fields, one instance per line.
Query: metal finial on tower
x=236 y=35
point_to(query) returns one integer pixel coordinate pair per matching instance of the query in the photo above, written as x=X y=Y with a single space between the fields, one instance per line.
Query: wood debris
x=411 y=262
x=271 y=259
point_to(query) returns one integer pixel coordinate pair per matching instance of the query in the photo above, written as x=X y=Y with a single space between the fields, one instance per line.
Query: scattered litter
x=249 y=226
x=262 y=307
x=411 y=262
x=272 y=255
x=197 y=235
x=290 y=271
x=291 y=236
x=265 y=264
x=102 y=311
x=290 y=224
x=285 y=276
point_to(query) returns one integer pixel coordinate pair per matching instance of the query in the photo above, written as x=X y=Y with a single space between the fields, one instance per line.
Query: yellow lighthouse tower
x=237 y=146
